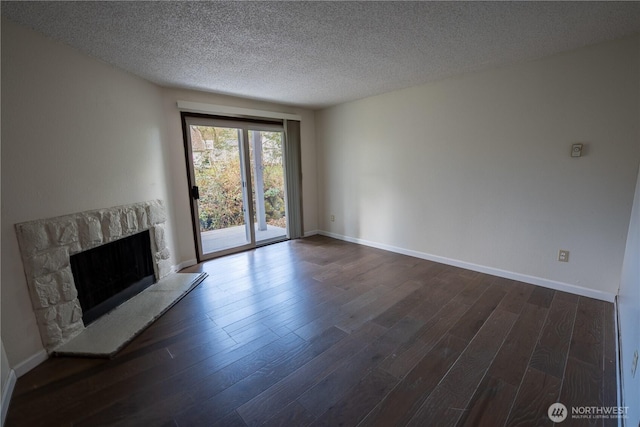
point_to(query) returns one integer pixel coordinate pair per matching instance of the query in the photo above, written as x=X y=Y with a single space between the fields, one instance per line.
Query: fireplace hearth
x=47 y=247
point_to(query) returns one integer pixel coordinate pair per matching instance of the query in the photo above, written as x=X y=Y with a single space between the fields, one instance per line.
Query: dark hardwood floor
x=322 y=332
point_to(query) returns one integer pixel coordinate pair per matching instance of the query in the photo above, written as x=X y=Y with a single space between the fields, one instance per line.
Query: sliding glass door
x=237 y=184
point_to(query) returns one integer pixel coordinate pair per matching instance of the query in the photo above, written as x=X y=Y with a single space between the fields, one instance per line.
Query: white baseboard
x=185 y=264
x=551 y=284
x=7 y=391
x=30 y=363
x=310 y=233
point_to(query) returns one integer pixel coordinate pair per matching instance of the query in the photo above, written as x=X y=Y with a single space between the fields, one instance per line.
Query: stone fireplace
x=47 y=246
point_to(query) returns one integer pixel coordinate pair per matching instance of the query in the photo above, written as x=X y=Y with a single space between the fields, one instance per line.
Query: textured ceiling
x=316 y=54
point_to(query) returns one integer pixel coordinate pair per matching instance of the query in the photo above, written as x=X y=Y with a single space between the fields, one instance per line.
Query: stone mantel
x=46 y=247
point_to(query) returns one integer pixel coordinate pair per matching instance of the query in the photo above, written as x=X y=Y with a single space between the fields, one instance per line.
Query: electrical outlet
x=634 y=364
x=333 y=218
x=563 y=256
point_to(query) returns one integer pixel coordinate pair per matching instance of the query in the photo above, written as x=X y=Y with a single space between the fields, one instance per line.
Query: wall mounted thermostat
x=576 y=150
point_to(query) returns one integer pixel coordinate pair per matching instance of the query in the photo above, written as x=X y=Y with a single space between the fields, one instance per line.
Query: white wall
x=77 y=134
x=629 y=312
x=183 y=230
x=5 y=369
x=476 y=169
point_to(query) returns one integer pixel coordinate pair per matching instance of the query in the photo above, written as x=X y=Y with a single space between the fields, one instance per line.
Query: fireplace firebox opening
x=108 y=275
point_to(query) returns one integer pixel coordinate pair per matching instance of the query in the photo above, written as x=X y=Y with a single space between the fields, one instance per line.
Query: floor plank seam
x=564 y=367
x=528 y=363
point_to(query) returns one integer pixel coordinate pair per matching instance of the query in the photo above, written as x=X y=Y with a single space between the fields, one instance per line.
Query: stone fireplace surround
x=46 y=246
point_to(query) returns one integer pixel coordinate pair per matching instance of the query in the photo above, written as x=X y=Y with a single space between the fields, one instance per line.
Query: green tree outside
x=218 y=177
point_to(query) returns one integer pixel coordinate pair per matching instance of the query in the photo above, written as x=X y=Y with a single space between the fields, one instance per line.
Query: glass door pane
x=221 y=203
x=267 y=176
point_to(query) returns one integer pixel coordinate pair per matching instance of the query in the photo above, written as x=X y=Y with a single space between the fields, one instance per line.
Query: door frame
x=244 y=125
